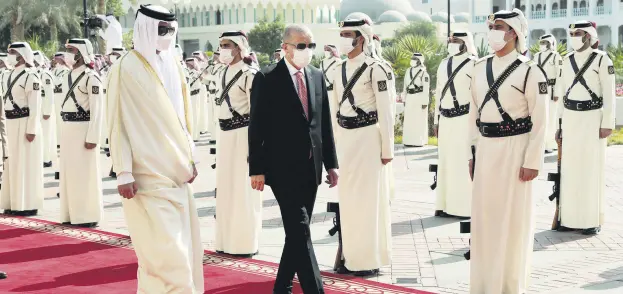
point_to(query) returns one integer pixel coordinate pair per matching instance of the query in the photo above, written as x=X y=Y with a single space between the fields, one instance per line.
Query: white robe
x=582 y=187
x=205 y=115
x=238 y=206
x=415 y=126
x=502 y=233
x=196 y=88
x=80 y=181
x=48 y=126
x=332 y=70
x=454 y=186
x=22 y=181
x=552 y=70
x=60 y=74
x=364 y=189
x=162 y=218
x=103 y=143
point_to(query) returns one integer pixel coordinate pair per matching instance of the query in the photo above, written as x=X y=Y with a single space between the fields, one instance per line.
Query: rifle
x=466 y=226
x=556 y=179
x=433 y=169
x=334 y=207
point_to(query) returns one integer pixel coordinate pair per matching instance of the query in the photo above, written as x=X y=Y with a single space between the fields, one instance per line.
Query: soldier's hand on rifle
x=30 y=137
x=332 y=177
x=385 y=161
x=257 y=182
x=471 y=169
x=89 y=146
x=604 y=133
x=436 y=130
x=527 y=175
x=555 y=98
x=46 y=117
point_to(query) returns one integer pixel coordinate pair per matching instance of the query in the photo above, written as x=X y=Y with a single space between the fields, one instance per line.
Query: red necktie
x=302 y=92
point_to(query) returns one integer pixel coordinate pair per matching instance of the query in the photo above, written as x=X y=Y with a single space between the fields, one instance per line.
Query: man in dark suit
x=290 y=137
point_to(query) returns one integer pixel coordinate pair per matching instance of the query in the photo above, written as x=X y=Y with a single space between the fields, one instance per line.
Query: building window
x=244 y=15
x=563 y=4
x=426 y=1
x=218 y=17
x=230 y=16
x=555 y=6
x=207 y=18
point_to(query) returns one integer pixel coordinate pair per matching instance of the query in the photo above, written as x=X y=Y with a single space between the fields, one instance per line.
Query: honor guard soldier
x=60 y=89
x=197 y=90
x=48 y=115
x=587 y=83
x=454 y=75
x=508 y=115
x=214 y=89
x=277 y=55
x=416 y=91
x=330 y=66
x=22 y=182
x=364 y=114
x=239 y=207
x=82 y=111
x=550 y=61
x=5 y=68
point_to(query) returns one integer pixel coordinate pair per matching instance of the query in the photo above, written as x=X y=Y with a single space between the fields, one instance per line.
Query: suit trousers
x=296 y=202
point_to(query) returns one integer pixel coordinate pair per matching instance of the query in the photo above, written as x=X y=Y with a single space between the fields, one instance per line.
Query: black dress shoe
x=441 y=213
x=591 y=231
x=463 y=217
x=47 y=164
x=467 y=255
x=66 y=223
x=32 y=212
x=342 y=270
x=565 y=229
x=3 y=275
x=366 y=273
x=7 y=212
x=283 y=289
x=57 y=175
x=86 y=225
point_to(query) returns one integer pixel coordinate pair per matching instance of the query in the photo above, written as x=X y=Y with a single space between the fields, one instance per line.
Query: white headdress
x=517 y=21
x=418 y=56
x=240 y=38
x=4 y=58
x=363 y=26
x=86 y=49
x=468 y=38
x=587 y=26
x=24 y=50
x=38 y=58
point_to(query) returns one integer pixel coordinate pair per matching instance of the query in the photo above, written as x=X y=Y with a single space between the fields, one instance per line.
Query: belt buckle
x=483 y=130
x=577 y=106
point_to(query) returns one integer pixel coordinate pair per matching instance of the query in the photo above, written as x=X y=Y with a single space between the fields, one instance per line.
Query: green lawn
x=432 y=141
x=616 y=138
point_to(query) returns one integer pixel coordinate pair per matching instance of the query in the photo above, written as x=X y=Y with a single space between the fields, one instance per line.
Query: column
x=528 y=9
x=592 y=5
x=548 y=10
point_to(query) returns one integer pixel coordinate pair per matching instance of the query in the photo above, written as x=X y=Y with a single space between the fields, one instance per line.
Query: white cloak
x=80 y=181
x=162 y=217
x=238 y=206
x=582 y=187
x=415 y=126
x=552 y=70
x=454 y=186
x=364 y=189
x=60 y=74
x=48 y=126
x=502 y=226
x=22 y=180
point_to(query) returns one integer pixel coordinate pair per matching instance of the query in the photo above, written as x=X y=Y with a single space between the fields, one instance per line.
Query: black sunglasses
x=302 y=46
x=163 y=31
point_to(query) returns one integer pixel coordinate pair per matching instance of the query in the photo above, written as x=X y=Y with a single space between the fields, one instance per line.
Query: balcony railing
x=538 y=14
x=480 y=18
x=580 y=11
x=602 y=10
x=559 y=13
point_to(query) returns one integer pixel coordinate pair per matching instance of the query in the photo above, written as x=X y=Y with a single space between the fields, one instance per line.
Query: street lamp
x=448 y=18
x=86 y=27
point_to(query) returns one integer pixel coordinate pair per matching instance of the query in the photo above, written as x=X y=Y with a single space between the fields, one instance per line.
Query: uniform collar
x=239 y=65
x=510 y=57
x=358 y=59
x=20 y=68
x=79 y=69
x=584 y=53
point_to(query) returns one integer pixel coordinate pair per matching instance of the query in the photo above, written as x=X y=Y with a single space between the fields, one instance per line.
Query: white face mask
x=454 y=49
x=414 y=63
x=70 y=58
x=113 y=58
x=576 y=43
x=543 y=48
x=226 y=56
x=346 y=45
x=12 y=60
x=164 y=43
x=302 y=58
x=496 y=40
x=327 y=54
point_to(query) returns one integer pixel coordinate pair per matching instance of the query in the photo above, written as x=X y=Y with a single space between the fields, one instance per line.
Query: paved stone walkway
x=427 y=251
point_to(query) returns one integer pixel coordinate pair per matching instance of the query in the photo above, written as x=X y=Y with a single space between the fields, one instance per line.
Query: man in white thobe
x=549 y=60
x=197 y=92
x=454 y=75
x=203 y=64
x=508 y=118
x=82 y=110
x=330 y=66
x=238 y=206
x=60 y=71
x=366 y=145
x=152 y=153
x=22 y=182
x=588 y=118
x=48 y=115
x=416 y=91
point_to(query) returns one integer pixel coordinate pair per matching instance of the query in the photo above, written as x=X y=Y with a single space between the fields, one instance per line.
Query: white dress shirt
x=293 y=72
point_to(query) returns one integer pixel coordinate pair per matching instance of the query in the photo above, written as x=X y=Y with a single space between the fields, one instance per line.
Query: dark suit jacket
x=280 y=137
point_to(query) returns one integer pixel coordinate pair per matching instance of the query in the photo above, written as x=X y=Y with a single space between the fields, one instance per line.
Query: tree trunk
x=101 y=9
x=53 y=30
x=17 y=25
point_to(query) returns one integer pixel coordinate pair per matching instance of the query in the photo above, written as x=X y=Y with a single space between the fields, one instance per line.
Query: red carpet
x=47 y=258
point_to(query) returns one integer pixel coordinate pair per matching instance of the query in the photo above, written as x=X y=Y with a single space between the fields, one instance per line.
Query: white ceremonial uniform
x=331 y=69
x=238 y=206
x=197 y=91
x=550 y=62
x=22 y=181
x=502 y=225
x=60 y=91
x=80 y=180
x=415 y=126
x=103 y=77
x=582 y=187
x=364 y=189
x=215 y=88
x=204 y=117
x=48 y=126
x=454 y=186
